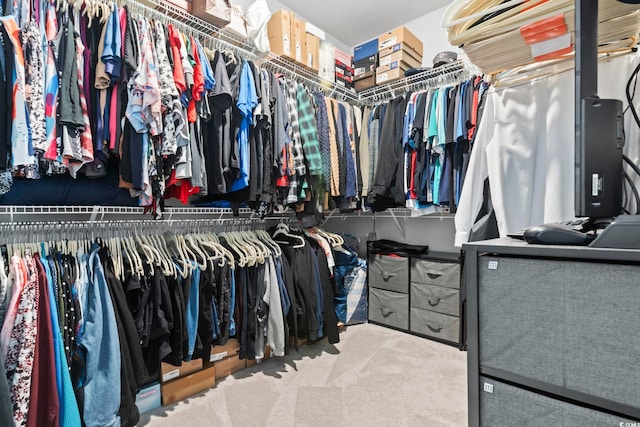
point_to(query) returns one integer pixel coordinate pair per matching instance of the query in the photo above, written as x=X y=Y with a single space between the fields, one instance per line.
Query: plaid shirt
x=294 y=130
x=322 y=120
x=309 y=131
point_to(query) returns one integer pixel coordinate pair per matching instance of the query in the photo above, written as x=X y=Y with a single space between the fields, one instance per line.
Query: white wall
x=428 y=29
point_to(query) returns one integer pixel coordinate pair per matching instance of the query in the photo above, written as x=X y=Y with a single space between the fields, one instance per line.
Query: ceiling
x=355 y=21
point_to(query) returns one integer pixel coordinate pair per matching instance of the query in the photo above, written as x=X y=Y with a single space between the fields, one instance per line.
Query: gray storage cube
x=389 y=308
x=434 y=324
x=437 y=273
x=389 y=272
x=435 y=298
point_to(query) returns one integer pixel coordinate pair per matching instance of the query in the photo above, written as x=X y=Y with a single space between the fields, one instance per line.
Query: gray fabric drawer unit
x=435 y=298
x=505 y=405
x=565 y=323
x=389 y=308
x=389 y=272
x=434 y=324
x=436 y=273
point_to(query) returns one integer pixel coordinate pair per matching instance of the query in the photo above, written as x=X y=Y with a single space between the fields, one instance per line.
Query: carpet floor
x=374 y=377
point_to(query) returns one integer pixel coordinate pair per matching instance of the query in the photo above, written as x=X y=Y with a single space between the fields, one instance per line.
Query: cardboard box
x=170 y=372
x=342 y=57
x=219 y=352
x=400 y=47
x=367 y=64
x=148 y=398
x=200 y=8
x=177 y=390
x=400 y=35
x=388 y=76
x=393 y=65
x=298 y=39
x=365 y=50
x=344 y=69
x=400 y=57
x=313 y=52
x=364 y=81
x=312 y=29
x=229 y=366
x=279 y=31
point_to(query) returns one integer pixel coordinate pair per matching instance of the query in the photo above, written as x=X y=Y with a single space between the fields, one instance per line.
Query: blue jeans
x=101 y=346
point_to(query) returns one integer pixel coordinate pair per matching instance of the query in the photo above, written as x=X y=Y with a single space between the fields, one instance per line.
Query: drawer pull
x=433 y=275
x=433 y=304
x=387 y=276
x=386 y=312
x=435 y=329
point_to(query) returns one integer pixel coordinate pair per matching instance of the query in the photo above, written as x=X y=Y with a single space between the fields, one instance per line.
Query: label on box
x=388 y=42
x=171 y=375
x=310 y=60
x=358 y=71
x=286 y=44
x=385 y=61
x=214 y=357
x=381 y=78
x=298 y=52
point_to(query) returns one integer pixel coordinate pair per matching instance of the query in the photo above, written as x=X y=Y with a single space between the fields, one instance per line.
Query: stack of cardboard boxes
x=365 y=62
x=386 y=58
x=295 y=40
x=344 y=69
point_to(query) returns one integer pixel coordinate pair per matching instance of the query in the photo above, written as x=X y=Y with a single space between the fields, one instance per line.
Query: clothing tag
x=171 y=375
x=493 y=265
x=217 y=356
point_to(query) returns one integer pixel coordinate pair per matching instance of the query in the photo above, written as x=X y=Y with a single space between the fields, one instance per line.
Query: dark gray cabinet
x=419 y=294
x=553 y=334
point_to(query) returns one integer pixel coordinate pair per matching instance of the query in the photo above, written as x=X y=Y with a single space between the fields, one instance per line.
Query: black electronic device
x=557 y=234
x=599 y=135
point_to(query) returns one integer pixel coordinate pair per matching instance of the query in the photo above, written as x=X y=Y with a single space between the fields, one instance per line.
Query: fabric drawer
x=567 y=323
x=505 y=405
x=390 y=273
x=435 y=298
x=389 y=308
x=434 y=324
x=437 y=273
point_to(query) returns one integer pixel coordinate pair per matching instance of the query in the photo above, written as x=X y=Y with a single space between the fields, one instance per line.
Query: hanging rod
x=451 y=73
x=210 y=33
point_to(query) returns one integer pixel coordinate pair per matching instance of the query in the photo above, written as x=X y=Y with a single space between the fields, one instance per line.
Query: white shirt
x=525 y=146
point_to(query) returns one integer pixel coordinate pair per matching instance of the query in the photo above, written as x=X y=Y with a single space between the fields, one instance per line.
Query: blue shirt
x=247 y=101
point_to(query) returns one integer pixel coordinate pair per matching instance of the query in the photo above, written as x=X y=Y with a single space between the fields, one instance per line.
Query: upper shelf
x=211 y=33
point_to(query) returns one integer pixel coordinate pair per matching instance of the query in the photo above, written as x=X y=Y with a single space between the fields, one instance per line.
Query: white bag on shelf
x=258 y=15
x=238 y=23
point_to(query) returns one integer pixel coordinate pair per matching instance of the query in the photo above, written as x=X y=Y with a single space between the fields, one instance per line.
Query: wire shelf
x=451 y=73
x=209 y=33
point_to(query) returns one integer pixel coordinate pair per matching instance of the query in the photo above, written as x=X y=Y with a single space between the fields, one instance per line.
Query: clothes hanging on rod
x=184 y=117
x=88 y=311
x=417 y=146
